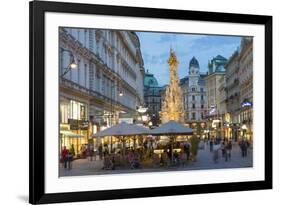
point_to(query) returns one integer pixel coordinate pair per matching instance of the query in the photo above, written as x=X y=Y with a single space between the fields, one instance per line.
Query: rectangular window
x=193 y=116
x=64 y=112
x=193 y=97
x=103 y=84
x=78 y=71
x=85 y=38
x=193 y=105
x=85 y=74
x=78 y=35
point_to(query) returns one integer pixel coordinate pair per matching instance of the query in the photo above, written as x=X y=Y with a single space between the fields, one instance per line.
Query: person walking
x=246 y=148
x=194 y=146
x=176 y=158
x=228 y=149
x=211 y=145
x=64 y=155
x=91 y=152
x=223 y=149
x=243 y=147
x=100 y=152
x=186 y=149
x=216 y=149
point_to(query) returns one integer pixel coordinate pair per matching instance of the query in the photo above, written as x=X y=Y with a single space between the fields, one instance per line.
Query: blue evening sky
x=155 y=48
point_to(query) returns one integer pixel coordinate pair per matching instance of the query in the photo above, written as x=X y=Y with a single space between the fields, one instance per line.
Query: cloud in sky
x=155 y=49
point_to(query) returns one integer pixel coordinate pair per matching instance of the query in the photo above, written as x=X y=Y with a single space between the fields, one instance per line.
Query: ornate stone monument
x=172 y=105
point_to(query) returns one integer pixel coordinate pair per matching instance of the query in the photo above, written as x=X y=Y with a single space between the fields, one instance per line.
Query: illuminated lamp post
x=71 y=65
x=244 y=129
x=111 y=111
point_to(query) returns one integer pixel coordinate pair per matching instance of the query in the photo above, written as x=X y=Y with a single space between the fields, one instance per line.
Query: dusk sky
x=155 y=49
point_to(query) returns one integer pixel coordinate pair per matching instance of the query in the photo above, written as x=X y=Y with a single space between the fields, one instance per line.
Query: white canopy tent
x=171 y=128
x=123 y=129
x=70 y=134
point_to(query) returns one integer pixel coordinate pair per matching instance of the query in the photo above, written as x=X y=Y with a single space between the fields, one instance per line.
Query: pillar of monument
x=172 y=105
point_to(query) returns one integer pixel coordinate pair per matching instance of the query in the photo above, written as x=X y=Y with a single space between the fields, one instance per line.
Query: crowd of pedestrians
x=221 y=145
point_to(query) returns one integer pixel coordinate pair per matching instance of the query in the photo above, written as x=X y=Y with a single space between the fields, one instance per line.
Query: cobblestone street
x=204 y=160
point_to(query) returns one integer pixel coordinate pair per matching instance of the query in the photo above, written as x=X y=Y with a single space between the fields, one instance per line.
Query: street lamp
x=120 y=93
x=244 y=128
x=72 y=64
x=111 y=110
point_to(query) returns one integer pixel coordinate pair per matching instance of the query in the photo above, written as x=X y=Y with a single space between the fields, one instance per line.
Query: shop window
x=78 y=111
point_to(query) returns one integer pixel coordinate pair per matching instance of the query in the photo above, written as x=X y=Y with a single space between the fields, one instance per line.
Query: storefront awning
x=70 y=134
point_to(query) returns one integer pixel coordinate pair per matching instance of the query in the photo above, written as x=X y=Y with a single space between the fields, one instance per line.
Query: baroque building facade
x=215 y=90
x=246 y=86
x=108 y=80
x=233 y=94
x=194 y=95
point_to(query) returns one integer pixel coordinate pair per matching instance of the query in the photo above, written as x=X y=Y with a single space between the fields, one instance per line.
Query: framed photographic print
x=132 y=102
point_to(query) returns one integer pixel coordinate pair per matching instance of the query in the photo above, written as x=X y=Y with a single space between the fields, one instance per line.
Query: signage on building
x=84 y=125
x=212 y=110
x=78 y=124
x=141 y=109
x=247 y=104
x=127 y=120
x=74 y=124
x=215 y=123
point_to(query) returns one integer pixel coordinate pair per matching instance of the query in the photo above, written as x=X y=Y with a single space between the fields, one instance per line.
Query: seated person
x=176 y=157
x=164 y=158
x=135 y=164
x=107 y=163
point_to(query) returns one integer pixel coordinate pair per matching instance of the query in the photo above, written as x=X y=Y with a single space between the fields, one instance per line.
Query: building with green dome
x=216 y=95
x=216 y=65
x=152 y=97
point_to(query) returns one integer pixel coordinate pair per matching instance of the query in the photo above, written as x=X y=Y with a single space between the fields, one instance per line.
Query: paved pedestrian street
x=204 y=161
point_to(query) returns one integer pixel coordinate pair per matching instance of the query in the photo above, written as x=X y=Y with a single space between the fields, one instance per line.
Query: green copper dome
x=150 y=80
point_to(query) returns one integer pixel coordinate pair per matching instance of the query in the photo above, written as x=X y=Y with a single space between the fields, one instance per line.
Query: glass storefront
x=74 y=125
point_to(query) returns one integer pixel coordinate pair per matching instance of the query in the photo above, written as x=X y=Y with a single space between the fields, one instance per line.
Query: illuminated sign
x=215 y=123
x=212 y=110
x=142 y=109
x=247 y=104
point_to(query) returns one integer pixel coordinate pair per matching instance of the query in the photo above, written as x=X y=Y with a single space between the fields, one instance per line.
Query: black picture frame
x=37 y=11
